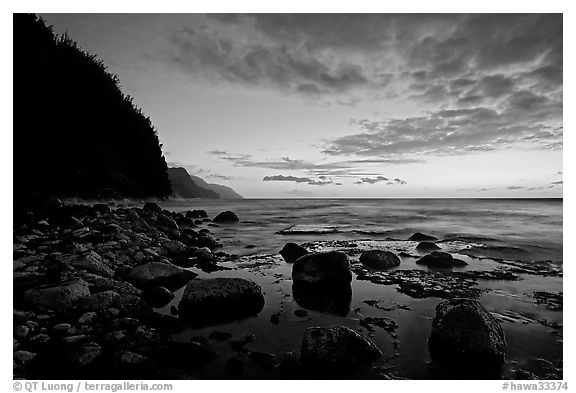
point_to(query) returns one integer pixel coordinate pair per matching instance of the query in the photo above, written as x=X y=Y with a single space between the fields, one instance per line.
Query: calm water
x=510 y=229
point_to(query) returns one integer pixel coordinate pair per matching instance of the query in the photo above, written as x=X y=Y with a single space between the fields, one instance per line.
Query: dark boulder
x=292 y=251
x=420 y=237
x=196 y=214
x=322 y=270
x=220 y=299
x=465 y=334
x=377 y=259
x=427 y=246
x=335 y=350
x=440 y=259
x=226 y=217
x=157 y=296
x=61 y=297
x=159 y=274
x=152 y=207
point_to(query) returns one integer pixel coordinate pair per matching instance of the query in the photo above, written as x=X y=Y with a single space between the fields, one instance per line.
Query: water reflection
x=331 y=300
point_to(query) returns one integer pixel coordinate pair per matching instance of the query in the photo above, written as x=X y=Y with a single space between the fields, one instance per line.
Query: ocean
x=489 y=234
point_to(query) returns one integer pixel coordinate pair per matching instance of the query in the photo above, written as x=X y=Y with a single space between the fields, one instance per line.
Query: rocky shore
x=89 y=282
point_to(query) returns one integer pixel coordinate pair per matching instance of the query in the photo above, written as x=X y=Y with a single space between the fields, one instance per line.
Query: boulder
x=335 y=350
x=420 y=237
x=226 y=217
x=325 y=269
x=61 y=297
x=157 y=296
x=220 y=299
x=292 y=251
x=89 y=261
x=427 y=246
x=378 y=259
x=159 y=274
x=196 y=214
x=465 y=334
x=152 y=207
x=440 y=259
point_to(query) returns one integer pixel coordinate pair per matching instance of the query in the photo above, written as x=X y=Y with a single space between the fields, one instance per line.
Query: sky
x=346 y=105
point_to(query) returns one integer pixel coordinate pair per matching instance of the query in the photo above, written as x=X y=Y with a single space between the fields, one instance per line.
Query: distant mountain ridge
x=224 y=192
x=185 y=185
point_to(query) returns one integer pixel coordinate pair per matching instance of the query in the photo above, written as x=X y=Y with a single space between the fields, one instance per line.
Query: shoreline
x=104 y=324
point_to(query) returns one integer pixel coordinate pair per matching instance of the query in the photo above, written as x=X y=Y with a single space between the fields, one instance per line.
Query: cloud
x=462 y=57
x=321 y=181
x=534 y=121
x=557 y=182
x=333 y=169
x=287 y=178
x=372 y=180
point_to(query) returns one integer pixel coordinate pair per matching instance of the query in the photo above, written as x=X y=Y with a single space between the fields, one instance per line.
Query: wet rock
x=226 y=217
x=89 y=261
x=157 y=296
x=440 y=259
x=335 y=350
x=205 y=240
x=22 y=360
x=174 y=247
x=159 y=274
x=100 y=301
x=420 y=237
x=87 y=318
x=275 y=318
x=220 y=299
x=322 y=270
x=86 y=355
x=380 y=260
x=292 y=251
x=21 y=332
x=427 y=246
x=465 y=334
x=196 y=214
x=261 y=356
x=152 y=207
x=60 y=297
x=301 y=313
x=551 y=300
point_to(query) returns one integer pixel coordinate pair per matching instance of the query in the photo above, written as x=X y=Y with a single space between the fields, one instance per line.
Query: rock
x=89 y=261
x=220 y=299
x=61 y=328
x=380 y=260
x=440 y=259
x=62 y=297
x=86 y=355
x=427 y=246
x=226 y=217
x=188 y=355
x=420 y=237
x=100 y=301
x=326 y=269
x=292 y=251
x=174 y=247
x=157 y=296
x=205 y=240
x=196 y=214
x=335 y=350
x=261 y=356
x=87 y=318
x=22 y=360
x=301 y=313
x=465 y=334
x=152 y=207
x=159 y=274
x=21 y=332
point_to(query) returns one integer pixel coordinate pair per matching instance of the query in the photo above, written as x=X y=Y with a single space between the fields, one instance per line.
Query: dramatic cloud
x=523 y=118
x=451 y=56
